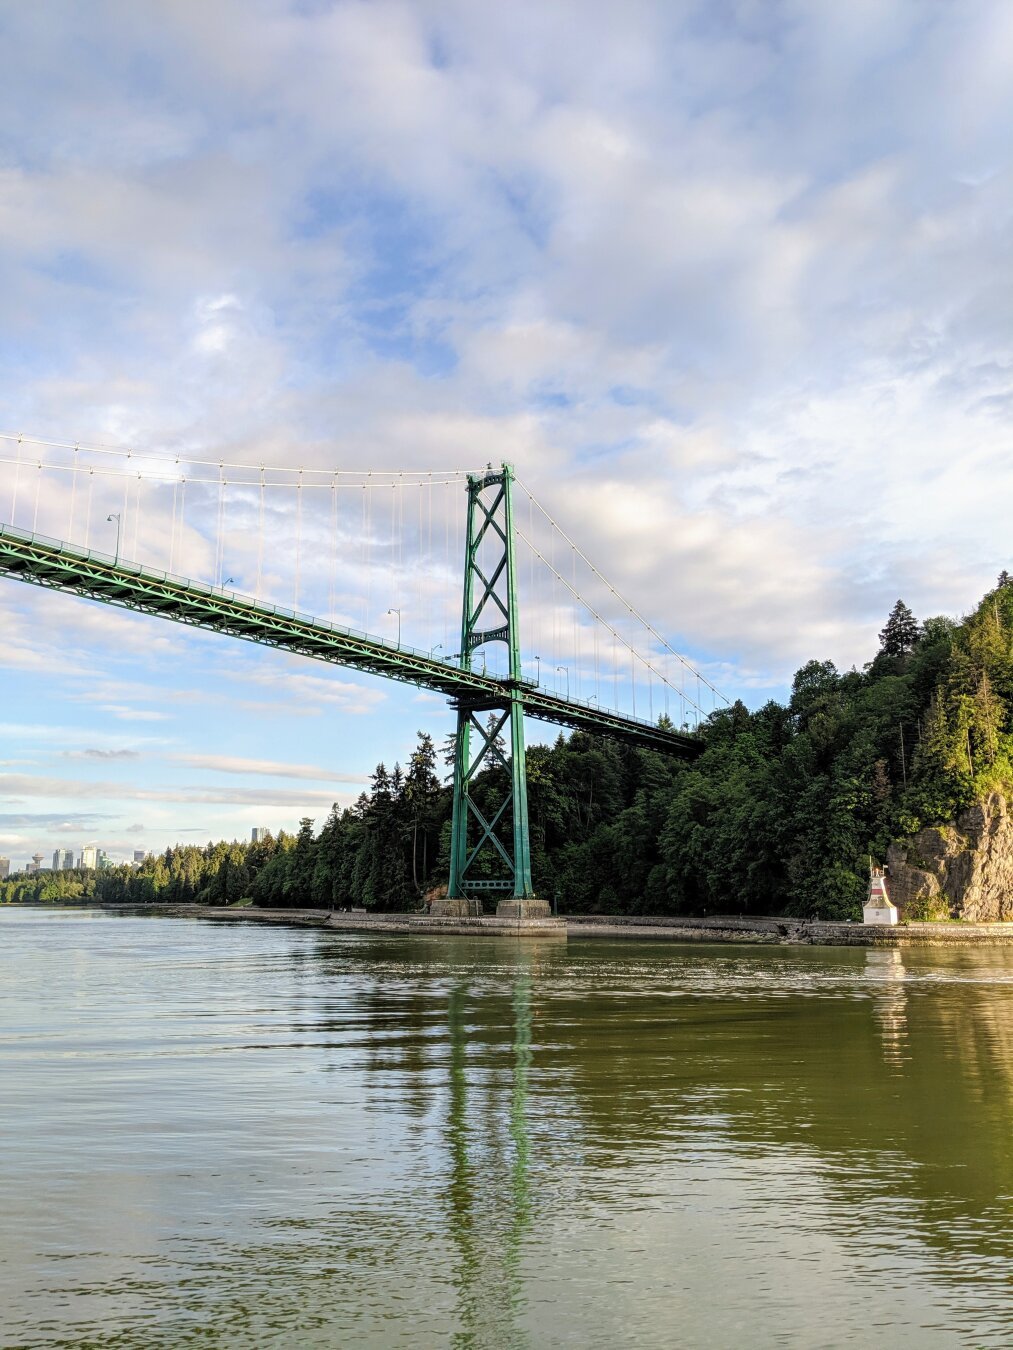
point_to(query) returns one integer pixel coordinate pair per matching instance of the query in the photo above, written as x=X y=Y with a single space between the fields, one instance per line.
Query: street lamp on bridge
x=566 y=670
x=398 y=613
x=115 y=515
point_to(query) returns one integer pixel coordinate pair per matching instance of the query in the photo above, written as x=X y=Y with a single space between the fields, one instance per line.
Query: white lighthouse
x=878 y=908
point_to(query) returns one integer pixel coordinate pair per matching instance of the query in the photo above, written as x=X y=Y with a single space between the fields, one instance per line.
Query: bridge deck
x=66 y=567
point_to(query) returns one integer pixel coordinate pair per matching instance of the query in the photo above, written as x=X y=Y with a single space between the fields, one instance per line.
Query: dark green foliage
x=901 y=631
x=779 y=814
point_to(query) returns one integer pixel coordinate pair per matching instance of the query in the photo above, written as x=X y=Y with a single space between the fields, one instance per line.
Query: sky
x=729 y=283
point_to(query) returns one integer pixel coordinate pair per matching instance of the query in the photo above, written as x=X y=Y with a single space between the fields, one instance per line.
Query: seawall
x=663 y=928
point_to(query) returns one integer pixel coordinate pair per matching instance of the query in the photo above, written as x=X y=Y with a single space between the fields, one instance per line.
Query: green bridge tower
x=490 y=850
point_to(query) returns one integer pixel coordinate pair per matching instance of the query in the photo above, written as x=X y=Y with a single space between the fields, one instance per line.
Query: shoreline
x=758 y=931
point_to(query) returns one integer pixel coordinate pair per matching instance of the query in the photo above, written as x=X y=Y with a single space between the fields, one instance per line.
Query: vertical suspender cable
x=429 y=564
x=298 y=540
x=368 y=497
x=182 y=523
x=121 y=530
x=38 y=485
x=332 y=580
x=576 y=621
x=395 y=597
x=87 y=516
x=17 y=479
x=218 y=526
x=172 y=528
x=423 y=618
x=531 y=551
x=260 y=534
x=137 y=515
x=446 y=568
x=73 y=494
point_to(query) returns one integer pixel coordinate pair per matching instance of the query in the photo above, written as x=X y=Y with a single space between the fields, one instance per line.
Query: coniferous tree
x=422 y=788
x=901 y=632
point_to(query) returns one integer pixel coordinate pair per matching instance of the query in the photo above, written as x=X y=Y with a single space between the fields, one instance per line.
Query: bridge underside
x=65 y=567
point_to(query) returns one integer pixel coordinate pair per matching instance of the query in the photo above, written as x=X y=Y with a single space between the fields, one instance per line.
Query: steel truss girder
x=55 y=565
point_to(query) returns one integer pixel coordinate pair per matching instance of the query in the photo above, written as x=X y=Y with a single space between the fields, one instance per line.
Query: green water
x=238 y=1135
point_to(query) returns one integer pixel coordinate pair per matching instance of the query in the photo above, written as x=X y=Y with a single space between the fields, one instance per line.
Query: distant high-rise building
x=89 y=857
x=5 y=867
x=103 y=860
x=56 y=860
x=67 y=859
x=259 y=833
x=139 y=855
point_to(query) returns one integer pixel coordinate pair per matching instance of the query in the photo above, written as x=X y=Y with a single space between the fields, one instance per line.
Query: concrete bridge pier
x=529 y=908
x=465 y=908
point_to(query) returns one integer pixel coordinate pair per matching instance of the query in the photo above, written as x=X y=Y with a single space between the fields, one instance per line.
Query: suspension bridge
x=234 y=540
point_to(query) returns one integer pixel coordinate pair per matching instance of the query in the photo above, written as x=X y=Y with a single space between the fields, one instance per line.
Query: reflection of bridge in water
x=487 y=1220
x=832 y=1102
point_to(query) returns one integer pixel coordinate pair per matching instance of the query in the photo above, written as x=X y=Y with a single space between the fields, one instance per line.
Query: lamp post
x=115 y=515
x=566 y=670
x=398 y=613
x=437 y=648
x=538 y=670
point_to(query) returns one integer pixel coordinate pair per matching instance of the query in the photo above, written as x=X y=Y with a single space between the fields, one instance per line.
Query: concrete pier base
x=524 y=909
x=462 y=908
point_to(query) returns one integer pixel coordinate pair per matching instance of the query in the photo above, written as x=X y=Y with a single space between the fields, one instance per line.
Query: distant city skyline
x=89 y=856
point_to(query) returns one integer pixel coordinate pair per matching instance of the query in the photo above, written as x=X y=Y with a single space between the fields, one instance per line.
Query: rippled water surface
x=220 y=1134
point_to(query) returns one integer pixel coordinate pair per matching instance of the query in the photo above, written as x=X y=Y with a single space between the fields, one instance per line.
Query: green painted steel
x=65 y=567
x=490 y=591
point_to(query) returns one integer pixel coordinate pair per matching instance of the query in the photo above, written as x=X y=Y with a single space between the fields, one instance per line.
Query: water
x=246 y=1136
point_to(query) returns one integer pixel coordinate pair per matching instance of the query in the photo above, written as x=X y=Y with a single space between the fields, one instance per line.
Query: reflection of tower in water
x=488 y=1197
x=885 y=967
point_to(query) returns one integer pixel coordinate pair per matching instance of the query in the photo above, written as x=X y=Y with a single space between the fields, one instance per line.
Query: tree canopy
x=778 y=815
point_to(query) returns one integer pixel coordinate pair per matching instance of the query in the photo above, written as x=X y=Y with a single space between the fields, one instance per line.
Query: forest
x=778 y=815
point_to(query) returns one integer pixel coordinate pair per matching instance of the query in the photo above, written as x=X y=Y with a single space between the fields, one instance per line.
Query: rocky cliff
x=963 y=870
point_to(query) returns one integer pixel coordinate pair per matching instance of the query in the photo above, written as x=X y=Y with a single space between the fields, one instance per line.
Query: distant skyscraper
x=139 y=855
x=89 y=857
x=56 y=860
x=5 y=867
x=258 y=833
x=67 y=859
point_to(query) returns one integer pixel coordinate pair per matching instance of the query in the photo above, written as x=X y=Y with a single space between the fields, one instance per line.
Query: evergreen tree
x=299 y=888
x=901 y=631
x=422 y=789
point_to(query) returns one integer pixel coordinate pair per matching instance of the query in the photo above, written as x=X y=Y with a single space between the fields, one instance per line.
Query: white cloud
x=13 y=787
x=730 y=285
x=267 y=767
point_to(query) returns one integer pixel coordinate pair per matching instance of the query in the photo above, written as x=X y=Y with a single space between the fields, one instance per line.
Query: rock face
x=961 y=871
